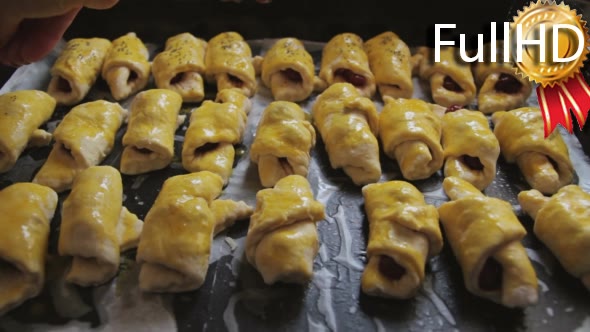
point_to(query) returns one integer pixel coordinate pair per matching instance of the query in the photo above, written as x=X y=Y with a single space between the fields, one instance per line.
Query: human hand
x=29 y=29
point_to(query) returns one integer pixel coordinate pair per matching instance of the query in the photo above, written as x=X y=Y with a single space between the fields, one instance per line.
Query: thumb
x=49 y=8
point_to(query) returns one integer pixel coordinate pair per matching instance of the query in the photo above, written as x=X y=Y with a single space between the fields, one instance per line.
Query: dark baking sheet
x=234 y=297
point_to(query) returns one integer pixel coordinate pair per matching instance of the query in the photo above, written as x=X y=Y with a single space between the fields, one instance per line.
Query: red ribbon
x=557 y=101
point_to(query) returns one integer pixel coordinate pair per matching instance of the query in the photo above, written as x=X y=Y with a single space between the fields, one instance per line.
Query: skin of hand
x=29 y=29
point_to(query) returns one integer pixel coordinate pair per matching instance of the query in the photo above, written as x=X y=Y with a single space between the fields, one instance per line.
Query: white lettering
x=520 y=42
x=580 y=35
x=437 y=42
x=478 y=56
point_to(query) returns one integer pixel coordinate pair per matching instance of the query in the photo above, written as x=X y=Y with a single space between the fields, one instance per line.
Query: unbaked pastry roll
x=544 y=162
x=282 y=143
x=389 y=58
x=288 y=70
x=84 y=137
x=451 y=82
x=27 y=210
x=95 y=226
x=470 y=148
x=21 y=114
x=149 y=140
x=344 y=60
x=176 y=239
x=229 y=63
x=126 y=68
x=348 y=124
x=181 y=66
x=562 y=223
x=410 y=132
x=215 y=127
x=77 y=68
x=500 y=88
x=282 y=239
x=485 y=236
x=403 y=234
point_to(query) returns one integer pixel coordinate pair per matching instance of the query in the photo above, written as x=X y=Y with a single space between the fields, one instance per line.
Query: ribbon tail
x=577 y=94
x=553 y=109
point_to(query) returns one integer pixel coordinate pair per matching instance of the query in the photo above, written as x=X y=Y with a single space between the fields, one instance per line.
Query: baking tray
x=234 y=297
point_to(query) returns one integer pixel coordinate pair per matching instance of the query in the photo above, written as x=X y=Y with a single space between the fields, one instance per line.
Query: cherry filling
x=63 y=85
x=390 y=269
x=450 y=84
x=235 y=81
x=453 y=108
x=143 y=150
x=508 y=84
x=292 y=75
x=208 y=147
x=177 y=78
x=472 y=162
x=284 y=162
x=132 y=77
x=490 y=277
x=351 y=77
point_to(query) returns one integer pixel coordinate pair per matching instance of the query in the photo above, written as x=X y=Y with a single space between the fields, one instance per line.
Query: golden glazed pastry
x=126 y=68
x=176 y=240
x=544 y=162
x=485 y=237
x=410 y=132
x=451 y=82
x=348 y=124
x=282 y=143
x=215 y=127
x=95 y=227
x=282 y=239
x=27 y=210
x=149 y=140
x=562 y=223
x=344 y=60
x=470 y=148
x=83 y=138
x=229 y=63
x=390 y=61
x=77 y=68
x=21 y=114
x=181 y=66
x=500 y=88
x=404 y=233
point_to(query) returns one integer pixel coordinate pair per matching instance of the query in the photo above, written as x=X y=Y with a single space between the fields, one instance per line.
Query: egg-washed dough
x=126 y=68
x=485 y=236
x=348 y=124
x=21 y=114
x=544 y=162
x=282 y=239
x=27 y=210
x=283 y=143
x=389 y=60
x=403 y=234
x=84 y=137
x=181 y=66
x=76 y=69
x=229 y=63
x=96 y=227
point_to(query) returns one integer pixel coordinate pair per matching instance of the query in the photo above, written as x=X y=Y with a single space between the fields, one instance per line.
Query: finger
x=49 y=8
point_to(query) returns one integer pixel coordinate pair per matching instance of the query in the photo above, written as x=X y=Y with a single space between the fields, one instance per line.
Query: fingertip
x=100 y=4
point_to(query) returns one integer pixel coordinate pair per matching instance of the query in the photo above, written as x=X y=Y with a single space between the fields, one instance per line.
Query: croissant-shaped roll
x=404 y=233
x=288 y=70
x=176 y=239
x=95 y=226
x=149 y=140
x=500 y=88
x=229 y=63
x=21 y=114
x=410 y=132
x=181 y=66
x=470 y=148
x=451 y=82
x=126 y=68
x=344 y=60
x=544 y=162
x=348 y=124
x=389 y=58
x=84 y=137
x=282 y=239
x=562 y=223
x=77 y=68
x=27 y=210
x=485 y=237
x=282 y=143
x=215 y=127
